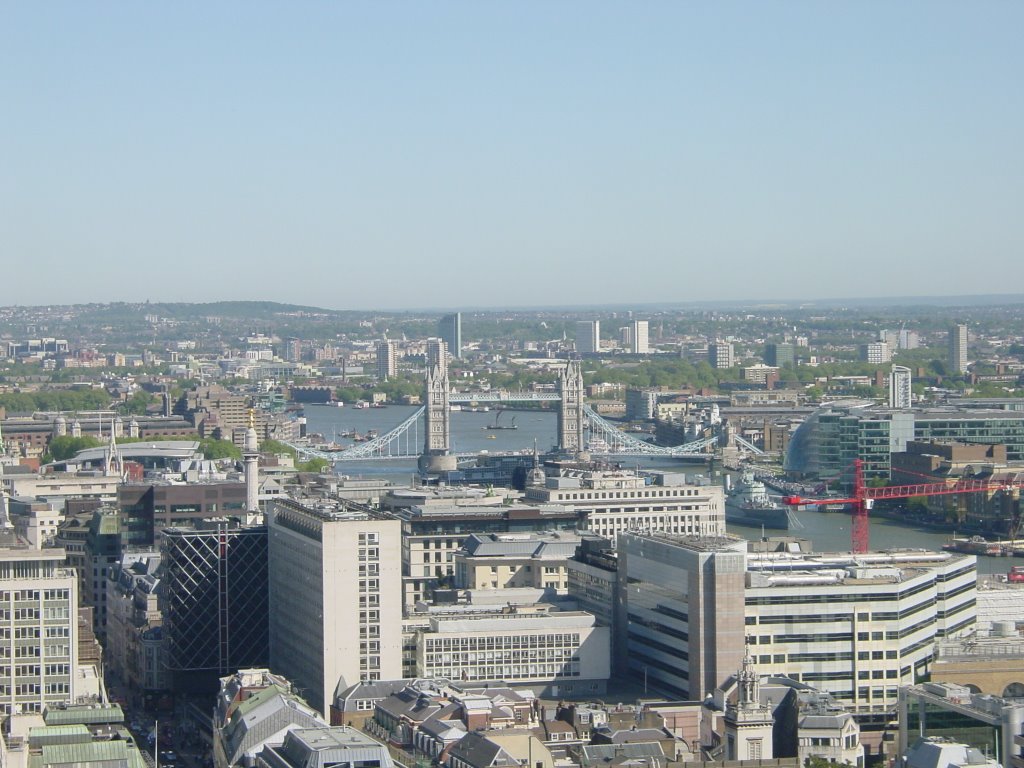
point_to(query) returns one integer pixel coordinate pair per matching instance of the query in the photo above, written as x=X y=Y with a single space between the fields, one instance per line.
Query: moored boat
x=748 y=503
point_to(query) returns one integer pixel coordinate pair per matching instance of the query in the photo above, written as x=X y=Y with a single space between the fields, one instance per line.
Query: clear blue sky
x=388 y=155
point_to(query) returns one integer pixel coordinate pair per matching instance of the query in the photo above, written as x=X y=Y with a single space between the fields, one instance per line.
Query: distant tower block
x=958 y=338
x=900 y=392
x=437 y=440
x=570 y=412
x=450 y=330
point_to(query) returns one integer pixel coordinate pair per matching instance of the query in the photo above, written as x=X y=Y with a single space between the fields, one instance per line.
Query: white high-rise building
x=720 y=355
x=876 y=352
x=639 y=337
x=957 y=349
x=38 y=630
x=900 y=395
x=909 y=339
x=335 y=598
x=588 y=337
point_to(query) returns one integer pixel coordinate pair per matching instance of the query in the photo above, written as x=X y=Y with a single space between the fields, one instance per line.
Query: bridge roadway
x=502 y=396
x=606 y=438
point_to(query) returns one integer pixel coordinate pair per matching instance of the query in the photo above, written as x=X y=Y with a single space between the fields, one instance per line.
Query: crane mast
x=863 y=499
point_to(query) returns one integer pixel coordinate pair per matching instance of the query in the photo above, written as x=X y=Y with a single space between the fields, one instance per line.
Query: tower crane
x=863 y=500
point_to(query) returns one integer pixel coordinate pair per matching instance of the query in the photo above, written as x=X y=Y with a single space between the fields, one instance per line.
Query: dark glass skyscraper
x=450 y=330
x=216 y=615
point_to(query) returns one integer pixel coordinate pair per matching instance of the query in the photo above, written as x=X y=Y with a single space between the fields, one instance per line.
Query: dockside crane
x=863 y=499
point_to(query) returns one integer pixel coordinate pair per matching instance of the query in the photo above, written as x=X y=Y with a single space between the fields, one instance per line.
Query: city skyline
x=356 y=157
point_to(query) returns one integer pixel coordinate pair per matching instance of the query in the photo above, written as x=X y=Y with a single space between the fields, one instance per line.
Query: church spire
x=113 y=466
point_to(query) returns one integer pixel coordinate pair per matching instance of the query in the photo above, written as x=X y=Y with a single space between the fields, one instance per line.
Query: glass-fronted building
x=825 y=445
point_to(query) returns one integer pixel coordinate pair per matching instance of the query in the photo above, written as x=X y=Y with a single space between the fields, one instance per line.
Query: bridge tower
x=437 y=433
x=570 y=410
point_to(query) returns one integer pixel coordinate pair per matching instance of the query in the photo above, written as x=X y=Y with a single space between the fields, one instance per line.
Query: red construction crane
x=864 y=498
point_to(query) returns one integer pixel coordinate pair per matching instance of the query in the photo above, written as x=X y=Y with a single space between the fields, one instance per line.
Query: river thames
x=829 y=531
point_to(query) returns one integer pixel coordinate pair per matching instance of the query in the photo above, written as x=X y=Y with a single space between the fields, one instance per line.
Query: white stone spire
x=113 y=465
x=251 y=457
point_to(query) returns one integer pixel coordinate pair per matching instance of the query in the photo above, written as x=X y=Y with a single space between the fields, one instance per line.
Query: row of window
x=504 y=672
x=539 y=655
x=514 y=642
x=629 y=494
x=34 y=670
x=34 y=594
x=33 y=614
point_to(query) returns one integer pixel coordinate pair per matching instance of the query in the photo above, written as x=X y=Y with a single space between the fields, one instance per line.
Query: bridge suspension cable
x=606 y=437
x=405 y=442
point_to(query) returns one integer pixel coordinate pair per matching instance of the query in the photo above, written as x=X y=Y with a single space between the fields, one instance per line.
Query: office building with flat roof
x=432 y=534
x=556 y=653
x=681 y=598
x=611 y=502
x=720 y=355
x=780 y=354
x=588 y=337
x=335 y=576
x=828 y=441
x=859 y=626
x=876 y=352
x=38 y=630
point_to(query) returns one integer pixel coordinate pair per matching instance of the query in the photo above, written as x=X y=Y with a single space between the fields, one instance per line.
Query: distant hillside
x=237 y=309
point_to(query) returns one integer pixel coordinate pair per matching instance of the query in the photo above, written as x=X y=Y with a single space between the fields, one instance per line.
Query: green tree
x=219 y=449
x=64 y=446
x=314 y=464
x=138 y=402
x=814 y=761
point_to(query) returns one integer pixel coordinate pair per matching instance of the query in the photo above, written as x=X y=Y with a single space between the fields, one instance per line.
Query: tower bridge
x=580 y=428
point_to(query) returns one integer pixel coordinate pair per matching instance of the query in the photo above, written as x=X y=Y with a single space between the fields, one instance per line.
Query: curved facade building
x=826 y=444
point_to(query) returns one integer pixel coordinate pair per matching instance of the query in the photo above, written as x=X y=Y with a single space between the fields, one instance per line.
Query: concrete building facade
x=588 y=337
x=957 y=349
x=900 y=393
x=721 y=355
x=557 y=653
x=38 y=630
x=681 y=603
x=335 y=597
x=387 y=360
x=858 y=626
x=612 y=502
